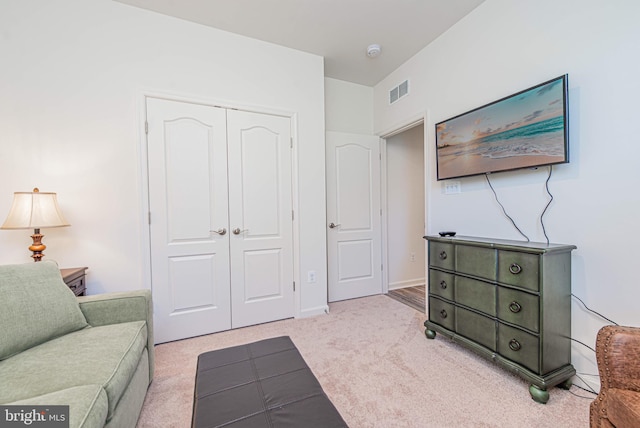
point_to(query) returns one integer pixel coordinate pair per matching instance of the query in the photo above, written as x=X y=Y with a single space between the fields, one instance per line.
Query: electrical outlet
x=452 y=187
x=311 y=276
x=412 y=257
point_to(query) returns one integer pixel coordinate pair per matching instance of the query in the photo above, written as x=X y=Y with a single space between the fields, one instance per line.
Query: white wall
x=71 y=80
x=505 y=46
x=348 y=107
x=405 y=208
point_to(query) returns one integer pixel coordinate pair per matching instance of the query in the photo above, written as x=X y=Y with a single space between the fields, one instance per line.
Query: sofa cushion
x=106 y=355
x=35 y=306
x=624 y=407
x=88 y=404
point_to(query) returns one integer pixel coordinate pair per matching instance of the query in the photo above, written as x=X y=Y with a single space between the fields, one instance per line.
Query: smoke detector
x=373 y=51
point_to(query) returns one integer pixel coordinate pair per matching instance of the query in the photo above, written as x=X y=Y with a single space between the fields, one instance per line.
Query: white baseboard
x=407 y=283
x=312 y=312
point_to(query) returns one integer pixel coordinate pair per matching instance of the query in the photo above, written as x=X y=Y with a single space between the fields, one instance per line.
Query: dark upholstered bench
x=261 y=384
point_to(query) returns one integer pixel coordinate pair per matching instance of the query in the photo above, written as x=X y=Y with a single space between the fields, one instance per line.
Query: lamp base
x=38 y=247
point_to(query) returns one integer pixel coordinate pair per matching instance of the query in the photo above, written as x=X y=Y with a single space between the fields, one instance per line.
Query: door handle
x=237 y=231
x=333 y=226
x=221 y=231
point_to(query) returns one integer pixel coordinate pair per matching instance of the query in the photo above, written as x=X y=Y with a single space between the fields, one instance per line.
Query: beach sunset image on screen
x=523 y=130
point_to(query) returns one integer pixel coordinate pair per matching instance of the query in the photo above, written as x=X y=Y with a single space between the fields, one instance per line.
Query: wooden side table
x=75 y=279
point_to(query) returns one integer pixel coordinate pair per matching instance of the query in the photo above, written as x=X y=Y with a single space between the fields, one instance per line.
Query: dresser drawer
x=520 y=308
x=476 y=261
x=442 y=313
x=519 y=269
x=441 y=255
x=476 y=327
x=476 y=294
x=519 y=346
x=441 y=283
x=77 y=286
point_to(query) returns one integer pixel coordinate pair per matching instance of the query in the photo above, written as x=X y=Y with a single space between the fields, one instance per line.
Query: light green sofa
x=93 y=353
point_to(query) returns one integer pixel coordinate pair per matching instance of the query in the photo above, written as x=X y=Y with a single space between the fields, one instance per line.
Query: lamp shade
x=34 y=210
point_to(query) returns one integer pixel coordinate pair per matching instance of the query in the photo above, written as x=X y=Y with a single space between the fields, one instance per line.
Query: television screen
x=524 y=130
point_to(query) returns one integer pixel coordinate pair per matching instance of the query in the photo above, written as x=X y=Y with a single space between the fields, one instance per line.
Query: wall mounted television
x=525 y=130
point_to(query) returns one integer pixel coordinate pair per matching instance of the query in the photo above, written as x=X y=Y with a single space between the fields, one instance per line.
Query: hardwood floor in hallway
x=411 y=296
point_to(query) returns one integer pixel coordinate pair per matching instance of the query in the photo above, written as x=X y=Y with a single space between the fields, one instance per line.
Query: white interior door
x=353 y=212
x=261 y=223
x=187 y=167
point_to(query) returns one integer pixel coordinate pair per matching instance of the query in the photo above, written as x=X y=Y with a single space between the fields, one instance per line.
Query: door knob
x=221 y=231
x=333 y=226
x=237 y=231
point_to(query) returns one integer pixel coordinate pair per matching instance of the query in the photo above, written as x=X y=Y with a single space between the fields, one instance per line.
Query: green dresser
x=509 y=301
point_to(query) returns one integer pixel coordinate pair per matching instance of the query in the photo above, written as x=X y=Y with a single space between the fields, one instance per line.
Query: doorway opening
x=404 y=203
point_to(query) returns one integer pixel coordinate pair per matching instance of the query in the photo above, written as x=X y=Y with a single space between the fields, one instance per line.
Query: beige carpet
x=375 y=364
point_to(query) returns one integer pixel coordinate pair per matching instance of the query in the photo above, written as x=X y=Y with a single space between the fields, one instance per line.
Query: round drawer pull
x=443 y=284
x=515 y=268
x=443 y=314
x=514 y=345
x=443 y=255
x=515 y=307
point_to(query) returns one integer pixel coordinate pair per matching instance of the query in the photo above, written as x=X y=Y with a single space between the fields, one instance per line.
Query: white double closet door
x=221 y=227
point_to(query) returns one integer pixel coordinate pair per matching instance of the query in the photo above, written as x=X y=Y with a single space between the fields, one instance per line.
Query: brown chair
x=618 y=356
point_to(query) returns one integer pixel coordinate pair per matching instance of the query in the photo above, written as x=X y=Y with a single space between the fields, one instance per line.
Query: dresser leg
x=566 y=384
x=430 y=334
x=539 y=395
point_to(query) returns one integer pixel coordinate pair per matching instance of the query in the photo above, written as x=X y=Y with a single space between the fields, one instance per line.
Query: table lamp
x=34 y=210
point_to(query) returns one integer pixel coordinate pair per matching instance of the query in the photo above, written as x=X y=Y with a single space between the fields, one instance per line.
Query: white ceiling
x=338 y=30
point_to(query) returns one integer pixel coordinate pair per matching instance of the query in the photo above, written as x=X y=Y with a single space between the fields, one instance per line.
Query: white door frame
x=145 y=235
x=415 y=121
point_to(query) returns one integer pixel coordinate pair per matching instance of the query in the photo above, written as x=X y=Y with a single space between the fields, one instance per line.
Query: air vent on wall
x=398 y=92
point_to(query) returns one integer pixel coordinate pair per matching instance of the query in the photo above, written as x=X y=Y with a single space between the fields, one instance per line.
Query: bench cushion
x=265 y=383
x=35 y=306
x=109 y=360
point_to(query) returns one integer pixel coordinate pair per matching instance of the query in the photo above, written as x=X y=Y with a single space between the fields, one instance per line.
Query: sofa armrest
x=618 y=356
x=114 y=308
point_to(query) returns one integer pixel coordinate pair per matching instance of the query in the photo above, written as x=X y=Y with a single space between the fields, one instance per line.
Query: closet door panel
x=188 y=202
x=260 y=209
